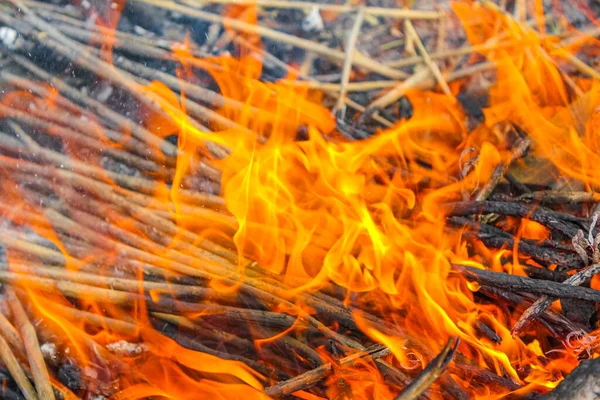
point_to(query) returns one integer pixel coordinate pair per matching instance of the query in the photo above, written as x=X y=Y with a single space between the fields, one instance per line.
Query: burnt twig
x=519 y=150
x=515 y=283
x=545 y=301
x=312 y=377
x=565 y=224
x=545 y=253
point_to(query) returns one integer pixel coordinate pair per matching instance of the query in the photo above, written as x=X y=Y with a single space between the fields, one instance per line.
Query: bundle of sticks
x=102 y=284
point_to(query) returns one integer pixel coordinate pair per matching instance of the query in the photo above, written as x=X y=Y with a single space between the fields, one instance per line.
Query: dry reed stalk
x=38 y=5
x=52 y=258
x=9 y=333
x=557 y=49
x=120 y=284
x=267 y=298
x=359 y=58
x=17 y=373
x=100 y=175
x=399 y=90
x=260 y=289
x=435 y=70
x=422 y=80
x=47 y=255
x=340 y=8
x=45 y=91
x=336 y=87
x=196 y=92
x=269 y=293
x=86 y=125
x=347 y=67
x=441 y=36
x=83 y=57
x=68 y=289
x=129 y=328
x=98 y=35
x=116 y=119
x=37 y=364
x=109 y=190
x=74 y=137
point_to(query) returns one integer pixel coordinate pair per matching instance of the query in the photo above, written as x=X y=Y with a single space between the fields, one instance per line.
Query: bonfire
x=300 y=200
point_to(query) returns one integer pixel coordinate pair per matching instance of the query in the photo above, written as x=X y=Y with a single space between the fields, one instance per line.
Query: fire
x=307 y=209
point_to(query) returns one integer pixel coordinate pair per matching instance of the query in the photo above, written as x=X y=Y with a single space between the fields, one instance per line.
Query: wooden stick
x=39 y=372
x=544 y=253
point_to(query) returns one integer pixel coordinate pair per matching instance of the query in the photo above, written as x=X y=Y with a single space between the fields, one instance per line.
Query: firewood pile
x=289 y=199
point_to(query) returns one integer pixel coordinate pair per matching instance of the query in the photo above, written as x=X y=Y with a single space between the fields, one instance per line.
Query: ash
x=124 y=348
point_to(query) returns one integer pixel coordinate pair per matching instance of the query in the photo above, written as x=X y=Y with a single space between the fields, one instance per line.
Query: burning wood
x=218 y=200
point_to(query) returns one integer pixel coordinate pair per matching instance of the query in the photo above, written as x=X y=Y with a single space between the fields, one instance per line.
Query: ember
x=285 y=199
